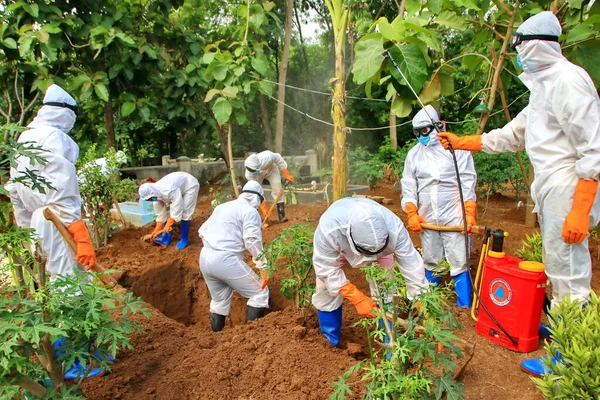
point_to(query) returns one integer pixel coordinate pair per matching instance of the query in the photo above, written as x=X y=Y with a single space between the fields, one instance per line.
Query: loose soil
x=282 y=356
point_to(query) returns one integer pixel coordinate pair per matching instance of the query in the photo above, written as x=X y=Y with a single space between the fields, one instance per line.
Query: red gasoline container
x=513 y=292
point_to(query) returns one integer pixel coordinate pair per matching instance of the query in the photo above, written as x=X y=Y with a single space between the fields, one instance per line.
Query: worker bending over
x=358 y=232
x=232 y=229
x=560 y=130
x=174 y=198
x=430 y=194
x=49 y=131
x=268 y=165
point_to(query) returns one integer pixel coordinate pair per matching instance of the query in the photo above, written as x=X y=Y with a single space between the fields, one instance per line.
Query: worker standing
x=560 y=130
x=270 y=166
x=359 y=232
x=430 y=194
x=232 y=229
x=49 y=131
x=174 y=198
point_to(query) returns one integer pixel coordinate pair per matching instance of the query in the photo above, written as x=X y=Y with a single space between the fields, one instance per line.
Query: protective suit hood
x=538 y=55
x=249 y=193
x=252 y=162
x=367 y=229
x=121 y=157
x=149 y=190
x=423 y=118
x=56 y=117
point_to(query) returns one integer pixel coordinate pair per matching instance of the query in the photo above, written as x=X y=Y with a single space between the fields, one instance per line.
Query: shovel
x=457 y=228
x=106 y=279
x=279 y=196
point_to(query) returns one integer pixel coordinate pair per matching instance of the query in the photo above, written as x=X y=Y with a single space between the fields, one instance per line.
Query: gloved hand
x=264 y=275
x=85 y=251
x=286 y=175
x=167 y=228
x=264 y=210
x=365 y=306
x=471 y=211
x=414 y=219
x=157 y=228
x=576 y=226
x=470 y=143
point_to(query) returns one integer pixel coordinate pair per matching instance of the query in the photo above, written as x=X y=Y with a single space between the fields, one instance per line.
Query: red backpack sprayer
x=510 y=290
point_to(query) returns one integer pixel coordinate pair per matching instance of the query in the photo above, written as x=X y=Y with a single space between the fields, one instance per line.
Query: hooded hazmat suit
x=560 y=130
x=49 y=131
x=175 y=197
x=233 y=229
x=347 y=225
x=429 y=182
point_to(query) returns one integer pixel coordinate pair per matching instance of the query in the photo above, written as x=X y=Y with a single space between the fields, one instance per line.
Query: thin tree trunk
x=110 y=126
x=231 y=164
x=393 y=130
x=283 y=66
x=264 y=118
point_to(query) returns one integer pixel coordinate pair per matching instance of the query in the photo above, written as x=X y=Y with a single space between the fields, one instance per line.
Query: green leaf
x=222 y=110
x=368 y=59
x=32 y=9
x=189 y=68
x=230 y=91
x=9 y=43
x=411 y=62
x=394 y=31
x=580 y=32
x=259 y=64
x=447 y=85
x=125 y=38
x=587 y=56
x=239 y=71
x=402 y=107
x=269 y=5
x=25 y=42
x=472 y=62
x=211 y=93
x=220 y=72
x=435 y=6
x=101 y=91
x=195 y=48
x=431 y=91
x=575 y=3
x=145 y=111
x=470 y=4
x=208 y=57
x=127 y=108
x=451 y=20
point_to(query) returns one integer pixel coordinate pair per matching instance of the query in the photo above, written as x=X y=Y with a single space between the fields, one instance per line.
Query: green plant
x=414 y=367
x=126 y=190
x=499 y=172
x=577 y=343
x=532 y=248
x=364 y=168
x=292 y=251
x=219 y=196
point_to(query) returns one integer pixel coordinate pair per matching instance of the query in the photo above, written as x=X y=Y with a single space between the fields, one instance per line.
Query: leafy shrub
x=292 y=250
x=532 y=248
x=219 y=196
x=497 y=172
x=577 y=342
x=415 y=368
x=364 y=167
x=126 y=190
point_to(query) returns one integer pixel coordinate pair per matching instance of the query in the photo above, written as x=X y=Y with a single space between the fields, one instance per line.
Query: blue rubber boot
x=330 y=323
x=78 y=369
x=544 y=332
x=432 y=278
x=164 y=239
x=464 y=289
x=536 y=366
x=185 y=230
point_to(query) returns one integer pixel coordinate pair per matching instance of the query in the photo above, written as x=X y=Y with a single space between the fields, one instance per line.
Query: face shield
x=519 y=38
x=253 y=172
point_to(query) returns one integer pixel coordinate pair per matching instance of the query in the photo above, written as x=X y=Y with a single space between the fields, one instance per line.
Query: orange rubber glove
x=286 y=175
x=471 y=211
x=577 y=223
x=365 y=306
x=157 y=228
x=264 y=275
x=85 y=250
x=167 y=228
x=470 y=143
x=264 y=210
x=414 y=219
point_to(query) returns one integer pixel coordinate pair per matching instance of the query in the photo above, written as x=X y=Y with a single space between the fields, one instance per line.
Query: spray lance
x=440 y=127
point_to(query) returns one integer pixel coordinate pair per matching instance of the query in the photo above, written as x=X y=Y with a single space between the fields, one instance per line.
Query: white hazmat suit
x=560 y=130
x=49 y=131
x=232 y=229
x=268 y=165
x=176 y=194
x=356 y=221
x=429 y=181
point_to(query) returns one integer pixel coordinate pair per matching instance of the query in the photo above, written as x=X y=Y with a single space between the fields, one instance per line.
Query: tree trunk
x=110 y=125
x=264 y=117
x=282 y=76
x=393 y=130
x=231 y=164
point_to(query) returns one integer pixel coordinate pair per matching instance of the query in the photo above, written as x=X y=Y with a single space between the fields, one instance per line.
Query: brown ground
x=282 y=356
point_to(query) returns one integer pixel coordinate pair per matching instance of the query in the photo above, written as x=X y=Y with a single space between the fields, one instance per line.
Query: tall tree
x=283 y=67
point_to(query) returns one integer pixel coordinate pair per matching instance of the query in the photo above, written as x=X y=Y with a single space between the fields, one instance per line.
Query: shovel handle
x=64 y=232
x=265 y=223
x=457 y=228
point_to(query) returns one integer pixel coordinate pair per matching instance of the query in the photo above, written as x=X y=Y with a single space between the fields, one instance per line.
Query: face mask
x=152 y=199
x=255 y=172
x=519 y=63
x=424 y=140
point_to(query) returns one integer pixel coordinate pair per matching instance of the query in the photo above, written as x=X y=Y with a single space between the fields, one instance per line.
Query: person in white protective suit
x=270 y=166
x=430 y=194
x=232 y=229
x=358 y=232
x=120 y=158
x=560 y=130
x=174 y=198
x=49 y=131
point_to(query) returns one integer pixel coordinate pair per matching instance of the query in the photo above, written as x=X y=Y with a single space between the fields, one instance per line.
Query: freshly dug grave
x=282 y=356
